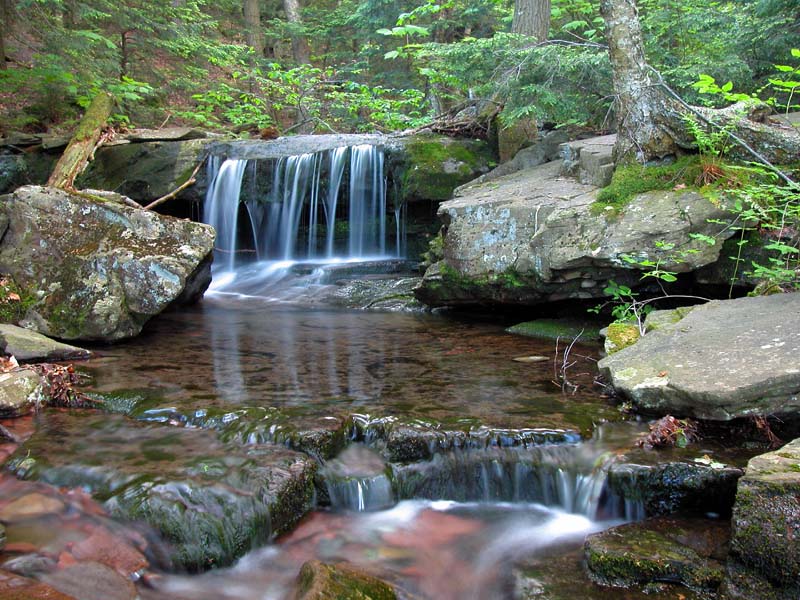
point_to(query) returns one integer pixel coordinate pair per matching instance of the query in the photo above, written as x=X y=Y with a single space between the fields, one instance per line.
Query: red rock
x=14 y=587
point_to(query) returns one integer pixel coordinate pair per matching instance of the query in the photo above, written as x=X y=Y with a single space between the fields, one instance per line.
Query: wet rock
x=662 y=486
x=94 y=269
x=212 y=500
x=723 y=360
x=31 y=505
x=91 y=581
x=685 y=552
x=766 y=524
x=30 y=565
x=20 y=392
x=358 y=479
x=322 y=581
x=376 y=294
x=534 y=237
x=28 y=346
x=551 y=329
x=14 y=587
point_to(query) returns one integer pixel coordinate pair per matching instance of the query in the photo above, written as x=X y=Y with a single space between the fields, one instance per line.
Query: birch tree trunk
x=300 y=50
x=532 y=17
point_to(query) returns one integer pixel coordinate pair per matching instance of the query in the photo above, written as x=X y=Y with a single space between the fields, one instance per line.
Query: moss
x=632 y=179
x=321 y=581
x=620 y=335
x=437 y=165
x=14 y=301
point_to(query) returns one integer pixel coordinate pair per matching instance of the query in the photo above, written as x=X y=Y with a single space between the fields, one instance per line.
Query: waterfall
x=308 y=207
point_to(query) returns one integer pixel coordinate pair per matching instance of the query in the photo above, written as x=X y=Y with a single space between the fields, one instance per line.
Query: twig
x=191 y=181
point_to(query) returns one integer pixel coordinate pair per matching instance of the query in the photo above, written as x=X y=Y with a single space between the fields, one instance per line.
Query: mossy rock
x=322 y=581
x=436 y=165
x=551 y=329
x=657 y=551
x=620 y=335
x=663 y=319
x=766 y=518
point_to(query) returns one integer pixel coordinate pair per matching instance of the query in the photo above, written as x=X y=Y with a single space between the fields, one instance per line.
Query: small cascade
x=358 y=480
x=312 y=207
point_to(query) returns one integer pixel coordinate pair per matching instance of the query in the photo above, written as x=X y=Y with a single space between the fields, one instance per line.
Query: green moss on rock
x=620 y=335
x=551 y=329
x=322 y=581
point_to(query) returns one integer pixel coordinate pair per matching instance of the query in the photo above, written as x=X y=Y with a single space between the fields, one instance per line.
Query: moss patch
x=630 y=180
x=619 y=336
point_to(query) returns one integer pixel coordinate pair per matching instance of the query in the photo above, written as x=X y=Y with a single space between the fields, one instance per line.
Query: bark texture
x=647 y=116
x=82 y=145
x=252 y=19
x=532 y=17
x=300 y=50
x=5 y=27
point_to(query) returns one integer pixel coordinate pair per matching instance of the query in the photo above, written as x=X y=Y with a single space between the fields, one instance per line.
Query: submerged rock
x=766 y=527
x=723 y=360
x=212 y=500
x=28 y=346
x=94 y=269
x=321 y=581
x=685 y=552
x=534 y=237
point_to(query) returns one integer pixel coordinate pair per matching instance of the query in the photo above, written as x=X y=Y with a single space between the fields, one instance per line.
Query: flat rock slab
x=688 y=552
x=724 y=360
x=29 y=346
x=766 y=520
x=212 y=500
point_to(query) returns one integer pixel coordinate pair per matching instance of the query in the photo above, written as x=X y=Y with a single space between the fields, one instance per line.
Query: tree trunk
x=5 y=27
x=252 y=20
x=651 y=123
x=300 y=50
x=646 y=115
x=532 y=17
x=82 y=144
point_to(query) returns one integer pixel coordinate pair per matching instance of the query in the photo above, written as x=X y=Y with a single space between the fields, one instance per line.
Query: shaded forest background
x=372 y=65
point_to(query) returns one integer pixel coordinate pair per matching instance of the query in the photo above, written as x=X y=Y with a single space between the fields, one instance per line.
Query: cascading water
x=318 y=207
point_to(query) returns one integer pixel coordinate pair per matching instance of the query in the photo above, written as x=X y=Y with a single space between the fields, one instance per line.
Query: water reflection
x=229 y=352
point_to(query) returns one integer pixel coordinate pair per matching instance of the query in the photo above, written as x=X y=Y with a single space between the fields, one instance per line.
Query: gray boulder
x=535 y=236
x=28 y=346
x=725 y=359
x=766 y=527
x=95 y=269
x=20 y=392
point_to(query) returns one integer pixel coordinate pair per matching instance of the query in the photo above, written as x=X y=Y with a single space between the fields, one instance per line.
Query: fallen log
x=82 y=145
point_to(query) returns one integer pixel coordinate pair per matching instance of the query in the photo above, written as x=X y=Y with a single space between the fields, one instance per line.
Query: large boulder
x=765 y=543
x=534 y=236
x=724 y=360
x=213 y=501
x=91 y=268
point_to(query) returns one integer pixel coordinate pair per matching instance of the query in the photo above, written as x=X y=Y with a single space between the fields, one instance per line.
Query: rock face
x=213 y=501
x=94 y=269
x=766 y=526
x=725 y=359
x=535 y=236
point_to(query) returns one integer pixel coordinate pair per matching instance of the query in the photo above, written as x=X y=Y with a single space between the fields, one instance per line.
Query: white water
x=288 y=202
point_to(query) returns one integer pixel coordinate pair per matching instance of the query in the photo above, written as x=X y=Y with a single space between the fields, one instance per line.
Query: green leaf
x=796 y=52
x=392 y=54
x=727 y=87
x=385 y=31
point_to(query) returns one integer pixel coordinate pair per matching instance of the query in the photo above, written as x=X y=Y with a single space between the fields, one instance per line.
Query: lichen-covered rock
x=97 y=269
x=766 y=521
x=534 y=237
x=725 y=359
x=323 y=581
x=551 y=329
x=20 y=392
x=28 y=346
x=685 y=552
x=213 y=501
